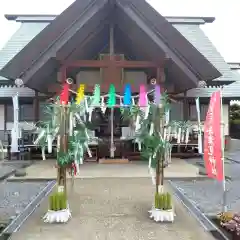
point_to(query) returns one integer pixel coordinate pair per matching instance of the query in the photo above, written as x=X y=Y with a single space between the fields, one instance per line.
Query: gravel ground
x=207 y=194
x=15 y=196
x=7 y=167
x=111 y=209
x=5 y=170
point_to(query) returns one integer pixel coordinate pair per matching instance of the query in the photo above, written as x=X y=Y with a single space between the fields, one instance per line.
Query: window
x=9 y=113
x=43 y=116
x=26 y=112
x=176 y=111
x=193 y=112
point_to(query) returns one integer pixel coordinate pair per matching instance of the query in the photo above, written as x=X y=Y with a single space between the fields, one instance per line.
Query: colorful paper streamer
x=142 y=96
x=111 y=96
x=80 y=94
x=157 y=94
x=97 y=95
x=127 y=98
x=64 y=95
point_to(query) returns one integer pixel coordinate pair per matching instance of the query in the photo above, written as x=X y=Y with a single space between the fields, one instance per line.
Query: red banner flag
x=213 y=138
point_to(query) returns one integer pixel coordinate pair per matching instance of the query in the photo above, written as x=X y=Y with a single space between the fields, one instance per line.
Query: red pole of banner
x=223 y=158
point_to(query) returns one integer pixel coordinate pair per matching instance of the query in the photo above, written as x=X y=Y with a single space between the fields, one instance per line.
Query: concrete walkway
x=112 y=209
x=177 y=169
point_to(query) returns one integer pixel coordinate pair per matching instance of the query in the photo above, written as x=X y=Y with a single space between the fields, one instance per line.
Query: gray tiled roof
x=231 y=91
x=19 y=40
x=9 y=91
x=190 y=30
x=195 y=35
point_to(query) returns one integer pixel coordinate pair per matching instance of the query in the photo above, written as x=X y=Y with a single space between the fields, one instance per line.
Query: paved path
x=177 y=169
x=112 y=209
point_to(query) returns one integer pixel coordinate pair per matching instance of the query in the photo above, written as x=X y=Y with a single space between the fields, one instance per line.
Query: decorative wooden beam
x=135 y=64
x=108 y=63
x=86 y=63
x=55 y=88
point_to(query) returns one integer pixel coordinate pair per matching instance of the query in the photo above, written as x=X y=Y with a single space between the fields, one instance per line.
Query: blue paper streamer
x=127 y=95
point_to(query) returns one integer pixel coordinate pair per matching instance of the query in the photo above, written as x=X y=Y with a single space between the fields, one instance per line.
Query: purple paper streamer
x=157 y=95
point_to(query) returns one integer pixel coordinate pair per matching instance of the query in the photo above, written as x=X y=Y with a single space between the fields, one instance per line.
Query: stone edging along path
x=197 y=214
x=30 y=208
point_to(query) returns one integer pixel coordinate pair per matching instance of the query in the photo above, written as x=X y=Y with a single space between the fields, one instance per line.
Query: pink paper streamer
x=157 y=94
x=142 y=96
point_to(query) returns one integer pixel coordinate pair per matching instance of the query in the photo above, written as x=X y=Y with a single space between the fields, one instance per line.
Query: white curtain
x=15 y=129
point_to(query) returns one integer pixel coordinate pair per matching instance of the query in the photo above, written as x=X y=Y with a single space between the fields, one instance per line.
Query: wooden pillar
x=36 y=107
x=185 y=108
x=160 y=78
x=63 y=74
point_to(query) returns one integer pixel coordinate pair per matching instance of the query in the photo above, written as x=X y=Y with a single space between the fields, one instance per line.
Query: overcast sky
x=224 y=32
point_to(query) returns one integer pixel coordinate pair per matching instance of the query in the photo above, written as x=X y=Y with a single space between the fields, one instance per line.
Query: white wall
x=226 y=118
x=23 y=125
x=176 y=113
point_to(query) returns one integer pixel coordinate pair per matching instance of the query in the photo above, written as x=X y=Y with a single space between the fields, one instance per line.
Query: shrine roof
x=31 y=25
x=85 y=16
x=189 y=27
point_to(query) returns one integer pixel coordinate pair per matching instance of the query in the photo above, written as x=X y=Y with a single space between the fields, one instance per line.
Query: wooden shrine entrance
x=112 y=65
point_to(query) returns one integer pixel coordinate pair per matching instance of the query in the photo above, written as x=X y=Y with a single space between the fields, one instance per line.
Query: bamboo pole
x=62 y=173
x=158 y=125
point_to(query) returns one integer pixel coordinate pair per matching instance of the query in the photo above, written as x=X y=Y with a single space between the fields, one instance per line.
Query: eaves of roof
x=51 y=17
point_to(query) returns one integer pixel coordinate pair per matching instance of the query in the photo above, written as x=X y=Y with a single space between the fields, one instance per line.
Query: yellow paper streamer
x=80 y=93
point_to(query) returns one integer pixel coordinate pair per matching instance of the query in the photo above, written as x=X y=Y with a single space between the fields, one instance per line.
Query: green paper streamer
x=111 y=96
x=96 y=95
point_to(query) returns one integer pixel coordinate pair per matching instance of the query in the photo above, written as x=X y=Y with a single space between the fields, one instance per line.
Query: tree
x=234 y=112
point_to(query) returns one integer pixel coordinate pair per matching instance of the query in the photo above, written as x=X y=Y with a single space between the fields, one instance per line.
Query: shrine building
x=111 y=41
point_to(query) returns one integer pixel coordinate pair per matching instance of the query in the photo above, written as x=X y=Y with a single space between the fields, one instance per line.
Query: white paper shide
x=159 y=215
